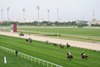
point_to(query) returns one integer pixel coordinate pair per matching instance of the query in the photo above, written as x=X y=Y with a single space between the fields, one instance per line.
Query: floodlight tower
x=38 y=8
x=48 y=13
x=57 y=14
x=23 y=14
x=1 y=15
x=8 y=13
x=94 y=19
x=93 y=13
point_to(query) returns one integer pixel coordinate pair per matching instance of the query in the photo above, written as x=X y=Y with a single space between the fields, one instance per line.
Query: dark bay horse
x=61 y=46
x=29 y=40
x=67 y=45
x=69 y=56
x=84 y=56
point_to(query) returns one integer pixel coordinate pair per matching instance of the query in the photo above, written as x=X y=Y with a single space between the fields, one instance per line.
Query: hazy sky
x=68 y=9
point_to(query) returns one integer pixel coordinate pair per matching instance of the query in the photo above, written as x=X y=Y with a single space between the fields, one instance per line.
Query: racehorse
x=84 y=56
x=61 y=46
x=67 y=45
x=30 y=40
x=69 y=56
x=54 y=44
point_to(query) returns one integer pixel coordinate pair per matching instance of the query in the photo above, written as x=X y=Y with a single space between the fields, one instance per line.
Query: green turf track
x=51 y=53
x=77 y=31
x=83 y=34
x=13 y=61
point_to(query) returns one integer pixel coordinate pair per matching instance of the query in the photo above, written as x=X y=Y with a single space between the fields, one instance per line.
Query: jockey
x=69 y=53
x=30 y=39
x=83 y=54
x=67 y=44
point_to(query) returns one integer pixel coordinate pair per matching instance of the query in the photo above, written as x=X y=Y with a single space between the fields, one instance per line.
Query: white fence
x=31 y=58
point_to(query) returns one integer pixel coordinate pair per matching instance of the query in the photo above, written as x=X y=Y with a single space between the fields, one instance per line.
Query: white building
x=94 y=21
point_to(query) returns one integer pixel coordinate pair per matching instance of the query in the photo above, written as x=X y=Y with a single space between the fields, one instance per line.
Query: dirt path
x=87 y=45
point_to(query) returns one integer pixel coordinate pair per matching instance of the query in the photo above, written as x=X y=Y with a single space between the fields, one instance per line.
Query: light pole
x=23 y=14
x=48 y=13
x=57 y=14
x=93 y=14
x=8 y=13
x=38 y=8
x=1 y=15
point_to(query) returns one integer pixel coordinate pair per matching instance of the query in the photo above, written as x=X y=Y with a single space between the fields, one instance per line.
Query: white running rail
x=31 y=58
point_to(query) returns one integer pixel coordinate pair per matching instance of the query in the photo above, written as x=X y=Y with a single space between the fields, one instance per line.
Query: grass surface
x=85 y=34
x=77 y=31
x=13 y=61
x=51 y=53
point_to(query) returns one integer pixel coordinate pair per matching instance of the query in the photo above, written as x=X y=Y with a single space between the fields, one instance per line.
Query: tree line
x=48 y=23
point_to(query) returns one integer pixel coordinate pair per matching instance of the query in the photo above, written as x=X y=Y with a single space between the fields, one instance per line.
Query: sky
x=69 y=10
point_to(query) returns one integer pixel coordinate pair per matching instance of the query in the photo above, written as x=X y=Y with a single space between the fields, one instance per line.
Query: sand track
x=87 y=45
